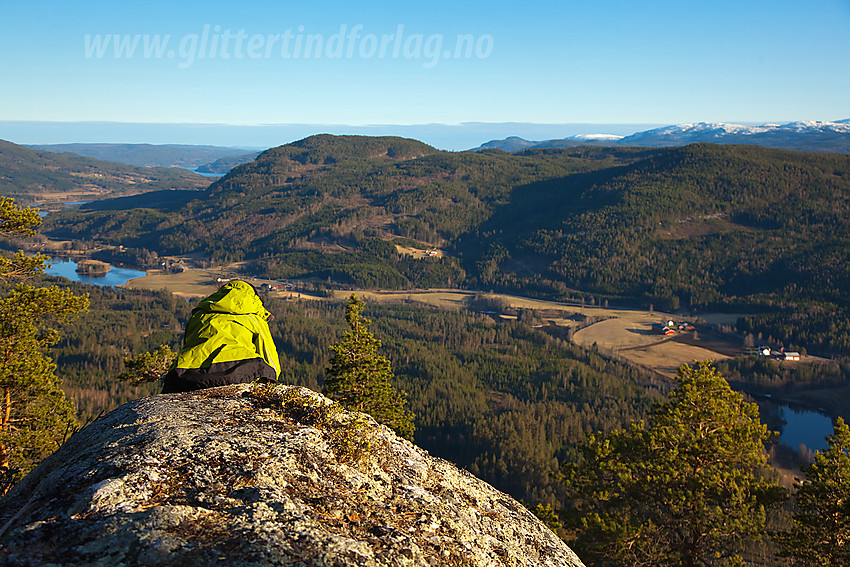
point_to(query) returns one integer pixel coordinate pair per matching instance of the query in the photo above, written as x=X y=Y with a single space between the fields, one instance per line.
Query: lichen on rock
x=254 y=475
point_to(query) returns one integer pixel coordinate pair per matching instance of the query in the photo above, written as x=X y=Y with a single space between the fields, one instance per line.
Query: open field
x=666 y=357
x=198 y=283
x=188 y=284
x=452 y=299
x=418 y=252
x=625 y=333
x=555 y=311
x=629 y=336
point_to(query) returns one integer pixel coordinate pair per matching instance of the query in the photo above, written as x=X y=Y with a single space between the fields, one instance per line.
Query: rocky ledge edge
x=260 y=475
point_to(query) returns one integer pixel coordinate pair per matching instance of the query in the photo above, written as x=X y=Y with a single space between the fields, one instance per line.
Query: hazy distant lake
x=208 y=174
x=69 y=205
x=115 y=276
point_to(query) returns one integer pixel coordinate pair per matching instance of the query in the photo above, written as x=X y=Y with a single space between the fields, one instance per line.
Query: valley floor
x=623 y=333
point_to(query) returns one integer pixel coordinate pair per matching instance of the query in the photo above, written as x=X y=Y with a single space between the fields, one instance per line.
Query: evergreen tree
x=17 y=221
x=360 y=379
x=148 y=366
x=683 y=489
x=821 y=533
x=35 y=414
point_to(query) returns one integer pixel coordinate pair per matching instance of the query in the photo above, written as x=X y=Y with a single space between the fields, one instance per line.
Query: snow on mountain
x=610 y=137
x=719 y=129
x=809 y=135
x=804 y=135
x=841 y=126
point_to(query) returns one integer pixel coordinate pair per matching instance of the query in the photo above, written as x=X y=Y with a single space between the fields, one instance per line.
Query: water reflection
x=797 y=426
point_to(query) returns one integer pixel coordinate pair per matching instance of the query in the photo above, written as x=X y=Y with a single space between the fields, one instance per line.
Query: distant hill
x=349 y=194
x=719 y=226
x=801 y=136
x=225 y=164
x=34 y=176
x=510 y=144
x=157 y=155
x=516 y=144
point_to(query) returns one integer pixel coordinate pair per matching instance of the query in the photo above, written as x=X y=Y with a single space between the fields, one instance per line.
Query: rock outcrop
x=249 y=475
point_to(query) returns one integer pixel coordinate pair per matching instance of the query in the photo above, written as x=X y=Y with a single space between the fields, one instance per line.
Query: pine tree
x=360 y=379
x=148 y=366
x=17 y=221
x=35 y=414
x=683 y=489
x=821 y=533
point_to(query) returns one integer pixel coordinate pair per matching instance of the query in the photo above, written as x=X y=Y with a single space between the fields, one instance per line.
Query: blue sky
x=548 y=62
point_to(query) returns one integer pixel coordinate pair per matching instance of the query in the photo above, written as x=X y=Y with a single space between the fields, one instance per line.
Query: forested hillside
x=33 y=176
x=118 y=324
x=153 y=155
x=504 y=400
x=699 y=227
x=332 y=206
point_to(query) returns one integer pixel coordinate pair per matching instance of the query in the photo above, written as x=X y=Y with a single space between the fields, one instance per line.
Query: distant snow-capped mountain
x=605 y=137
x=814 y=136
x=736 y=133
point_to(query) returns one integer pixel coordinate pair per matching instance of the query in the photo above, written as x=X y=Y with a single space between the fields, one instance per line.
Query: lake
x=805 y=427
x=802 y=426
x=213 y=175
x=69 y=205
x=115 y=276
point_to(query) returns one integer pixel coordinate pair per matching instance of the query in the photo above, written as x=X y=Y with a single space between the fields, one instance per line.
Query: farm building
x=662 y=329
